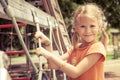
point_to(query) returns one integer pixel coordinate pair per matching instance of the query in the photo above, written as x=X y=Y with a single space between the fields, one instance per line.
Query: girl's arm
x=70 y=70
x=52 y=65
x=48 y=47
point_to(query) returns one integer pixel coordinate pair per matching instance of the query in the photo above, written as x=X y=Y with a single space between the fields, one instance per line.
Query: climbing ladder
x=54 y=10
x=51 y=17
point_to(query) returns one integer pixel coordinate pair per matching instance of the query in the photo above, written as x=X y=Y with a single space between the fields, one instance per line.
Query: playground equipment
x=51 y=18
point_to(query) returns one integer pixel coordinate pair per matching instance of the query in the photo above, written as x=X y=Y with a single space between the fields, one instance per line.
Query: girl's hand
x=38 y=52
x=46 y=54
x=44 y=39
x=43 y=52
x=105 y=38
x=40 y=35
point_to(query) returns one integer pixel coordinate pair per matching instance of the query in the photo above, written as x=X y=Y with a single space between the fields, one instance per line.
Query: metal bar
x=51 y=29
x=23 y=44
x=36 y=21
x=11 y=25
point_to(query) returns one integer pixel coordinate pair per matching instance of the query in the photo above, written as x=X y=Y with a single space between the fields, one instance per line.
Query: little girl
x=85 y=60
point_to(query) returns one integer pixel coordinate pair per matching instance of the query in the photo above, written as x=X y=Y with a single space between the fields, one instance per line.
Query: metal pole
x=49 y=24
x=36 y=21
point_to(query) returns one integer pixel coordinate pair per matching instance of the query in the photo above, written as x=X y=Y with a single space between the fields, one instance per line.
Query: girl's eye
x=92 y=26
x=82 y=26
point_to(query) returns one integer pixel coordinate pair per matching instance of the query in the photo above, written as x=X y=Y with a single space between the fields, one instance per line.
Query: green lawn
x=111 y=55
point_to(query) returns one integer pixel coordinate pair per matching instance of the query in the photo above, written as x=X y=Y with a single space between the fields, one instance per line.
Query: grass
x=109 y=56
x=112 y=56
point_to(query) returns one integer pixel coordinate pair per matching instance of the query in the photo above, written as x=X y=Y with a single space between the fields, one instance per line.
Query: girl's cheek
x=95 y=31
x=75 y=30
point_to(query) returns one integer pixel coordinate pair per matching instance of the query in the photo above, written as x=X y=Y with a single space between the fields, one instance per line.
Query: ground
x=112 y=67
x=112 y=70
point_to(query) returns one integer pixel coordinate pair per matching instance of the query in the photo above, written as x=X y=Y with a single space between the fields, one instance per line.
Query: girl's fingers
x=38 y=52
x=38 y=34
x=35 y=40
x=103 y=31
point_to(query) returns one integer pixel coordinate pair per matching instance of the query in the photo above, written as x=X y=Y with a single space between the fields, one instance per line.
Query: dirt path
x=112 y=70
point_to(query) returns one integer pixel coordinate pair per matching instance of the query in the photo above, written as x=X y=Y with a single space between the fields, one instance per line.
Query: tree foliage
x=111 y=9
x=67 y=7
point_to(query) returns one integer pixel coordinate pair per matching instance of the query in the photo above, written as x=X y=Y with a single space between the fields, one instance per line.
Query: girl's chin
x=88 y=41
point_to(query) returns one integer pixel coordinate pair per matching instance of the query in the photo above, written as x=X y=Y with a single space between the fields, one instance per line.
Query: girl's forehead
x=86 y=18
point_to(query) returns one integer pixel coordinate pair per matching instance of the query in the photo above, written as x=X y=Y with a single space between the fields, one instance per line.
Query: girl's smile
x=87 y=27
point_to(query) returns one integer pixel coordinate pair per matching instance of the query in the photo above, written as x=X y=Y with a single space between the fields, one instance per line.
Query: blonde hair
x=91 y=9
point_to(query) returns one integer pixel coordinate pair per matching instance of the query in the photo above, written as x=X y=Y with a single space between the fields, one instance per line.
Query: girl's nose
x=88 y=30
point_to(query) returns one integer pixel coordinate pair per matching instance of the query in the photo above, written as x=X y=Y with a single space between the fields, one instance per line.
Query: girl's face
x=87 y=27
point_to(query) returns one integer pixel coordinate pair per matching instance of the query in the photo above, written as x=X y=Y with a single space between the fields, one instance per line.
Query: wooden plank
x=22 y=10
